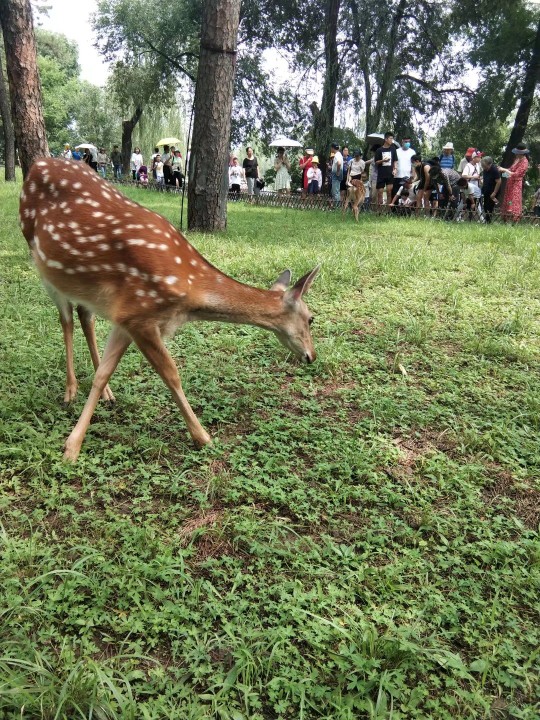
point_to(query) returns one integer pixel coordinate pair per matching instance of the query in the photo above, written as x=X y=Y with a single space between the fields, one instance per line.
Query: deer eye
x=311 y=319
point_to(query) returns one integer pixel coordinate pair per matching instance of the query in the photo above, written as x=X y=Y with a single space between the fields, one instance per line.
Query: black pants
x=489 y=207
x=167 y=174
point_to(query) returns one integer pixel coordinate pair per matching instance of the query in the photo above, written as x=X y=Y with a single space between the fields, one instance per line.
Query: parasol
x=282 y=141
x=168 y=141
x=85 y=146
x=377 y=139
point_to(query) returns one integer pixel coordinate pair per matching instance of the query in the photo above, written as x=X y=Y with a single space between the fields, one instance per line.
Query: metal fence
x=324 y=203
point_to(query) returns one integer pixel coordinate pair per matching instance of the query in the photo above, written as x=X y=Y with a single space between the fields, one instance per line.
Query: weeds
x=360 y=542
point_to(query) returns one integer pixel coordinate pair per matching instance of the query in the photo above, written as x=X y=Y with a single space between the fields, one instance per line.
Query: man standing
x=490 y=186
x=386 y=160
x=102 y=162
x=337 y=173
x=116 y=159
x=251 y=172
x=404 y=167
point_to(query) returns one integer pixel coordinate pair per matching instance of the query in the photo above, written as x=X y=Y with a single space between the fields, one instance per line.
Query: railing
x=324 y=202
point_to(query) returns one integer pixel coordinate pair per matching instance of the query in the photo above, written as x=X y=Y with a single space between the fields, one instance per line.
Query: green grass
x=360 y=542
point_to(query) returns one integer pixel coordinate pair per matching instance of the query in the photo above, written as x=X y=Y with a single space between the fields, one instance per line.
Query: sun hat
x=521 y=149
x=470 y=151
x=309 y=151
x=315 y=159
x=448 y=146
x=477 y=154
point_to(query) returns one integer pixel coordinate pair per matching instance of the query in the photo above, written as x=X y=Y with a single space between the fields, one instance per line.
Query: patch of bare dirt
x=523 y=493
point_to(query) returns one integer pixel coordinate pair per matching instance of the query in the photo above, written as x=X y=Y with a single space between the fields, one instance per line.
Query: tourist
x=314 y=177
x=336 y=174
x=236 y=175
x=466 y=159
x=404 y=166
x=346 y=160
x=282 y=182
x=136 y=162
x=491 y=183
x=304 y=164
x=66 y=153
x=176 y=169
x=512 y=203
x=251 y=172
x=386 y=160
x=102 y=162
x=116 y=159
x=447 y=157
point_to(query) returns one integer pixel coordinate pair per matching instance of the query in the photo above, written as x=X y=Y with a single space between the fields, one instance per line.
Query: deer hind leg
x=153 y=348
x=87 y=321
x=117 y=345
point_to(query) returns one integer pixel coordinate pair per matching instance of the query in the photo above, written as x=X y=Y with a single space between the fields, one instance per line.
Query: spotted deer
x=98 y=251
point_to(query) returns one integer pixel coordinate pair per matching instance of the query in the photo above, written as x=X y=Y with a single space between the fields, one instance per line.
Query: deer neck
x=223 y=299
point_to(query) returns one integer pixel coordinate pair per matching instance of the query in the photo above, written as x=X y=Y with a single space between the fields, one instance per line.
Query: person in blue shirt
x=447 y=159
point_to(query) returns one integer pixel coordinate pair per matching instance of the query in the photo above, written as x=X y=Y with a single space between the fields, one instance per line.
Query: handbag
x=260 y=183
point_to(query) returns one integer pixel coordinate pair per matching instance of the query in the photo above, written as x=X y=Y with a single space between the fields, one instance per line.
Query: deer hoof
x=71 y=392
x=107 y=395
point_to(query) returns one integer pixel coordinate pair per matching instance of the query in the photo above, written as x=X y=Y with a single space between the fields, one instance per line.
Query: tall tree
x=208 y=182
x=7 y=127
x=24 y=86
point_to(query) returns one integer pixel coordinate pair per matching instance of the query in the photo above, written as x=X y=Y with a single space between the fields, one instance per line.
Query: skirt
x=283 y=179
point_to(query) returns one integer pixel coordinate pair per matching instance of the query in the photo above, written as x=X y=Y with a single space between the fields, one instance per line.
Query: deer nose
x=309 y=358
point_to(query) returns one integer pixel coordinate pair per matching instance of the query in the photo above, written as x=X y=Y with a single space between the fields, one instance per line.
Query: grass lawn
x=360 y=541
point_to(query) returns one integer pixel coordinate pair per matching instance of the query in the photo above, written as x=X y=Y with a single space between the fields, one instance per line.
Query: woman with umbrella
x=513 y=195
x=282 y=183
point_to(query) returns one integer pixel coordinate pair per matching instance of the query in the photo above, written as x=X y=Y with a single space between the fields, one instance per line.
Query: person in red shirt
x=304 y=165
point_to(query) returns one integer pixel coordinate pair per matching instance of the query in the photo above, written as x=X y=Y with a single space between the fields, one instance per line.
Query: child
x=314 y=177
x=142 y=175
x=158 y=167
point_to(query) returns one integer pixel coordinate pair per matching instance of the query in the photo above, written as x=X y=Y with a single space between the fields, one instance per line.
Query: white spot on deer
x=94 y=268
x=190 y=282
x=52 y=187
x=159 y=300
x=64 y=182
x=163 y=247
x=133 y=271
x=97 y=238
x=55 y=264
x=103 y=246
x=45 y=178
x=171 y=279
x=61 y=225
x=23 y=196
x=140 y=293
x=134 y=227
x=41 y=163
x=109 y=217
x=118 y=245
x=116 y=221
x=128 y=214
x=79 y=201
x=105 y=195
x=193 y=262
x=63 y=204
x=219 y=279
x=90 y=253
x=190 y=248
x=167 y=235
x=152 y=293
x=118 y=231
x=73 y=224
x=156 y=278
x=106 y=266
x=77 y=186
x=121 y=267
x=191 y=277
x=56 y=236
x=74 y=251
x=178 y=260
x=70 y=271
x=95 y=204
x=44 y=210
x=81 y=268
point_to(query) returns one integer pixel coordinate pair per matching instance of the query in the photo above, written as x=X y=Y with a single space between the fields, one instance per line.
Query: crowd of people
x=396 y=178
x=166 y=169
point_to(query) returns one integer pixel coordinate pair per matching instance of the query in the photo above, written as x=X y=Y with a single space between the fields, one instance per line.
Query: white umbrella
x=282 y=141
x=85 y=146
x=377 y=139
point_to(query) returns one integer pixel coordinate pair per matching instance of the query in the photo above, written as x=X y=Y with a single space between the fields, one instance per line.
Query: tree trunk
x=208 y=184
x=532 y=78
x=9 y=132
x=128 y=126
x=24 y=84
x=389 y=69
x=323 y=120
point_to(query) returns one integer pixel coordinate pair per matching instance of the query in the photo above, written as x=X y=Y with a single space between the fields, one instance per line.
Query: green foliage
x=360 y=542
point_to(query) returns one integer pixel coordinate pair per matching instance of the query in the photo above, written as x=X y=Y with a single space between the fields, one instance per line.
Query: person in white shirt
x=136 y=162
x=66 y=153
x=158 y=168
x=236 y=175
x=404 y=166
x=472 y=170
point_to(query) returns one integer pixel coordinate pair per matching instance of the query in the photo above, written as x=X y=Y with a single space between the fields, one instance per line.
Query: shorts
x=383 y=183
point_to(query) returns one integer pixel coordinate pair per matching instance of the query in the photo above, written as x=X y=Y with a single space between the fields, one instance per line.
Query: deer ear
x=303 y=285
x=283 y=281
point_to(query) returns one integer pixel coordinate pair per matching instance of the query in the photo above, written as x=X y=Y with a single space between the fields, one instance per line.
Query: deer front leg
x=152 y=347
x=87 y=321
x=117 y=344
